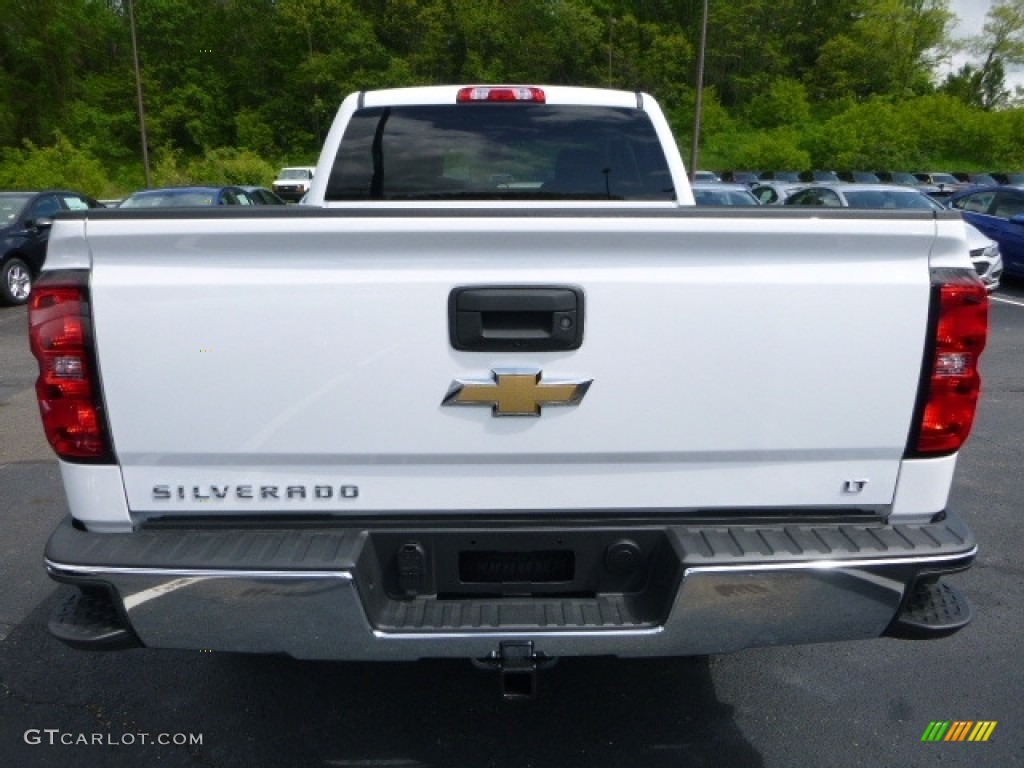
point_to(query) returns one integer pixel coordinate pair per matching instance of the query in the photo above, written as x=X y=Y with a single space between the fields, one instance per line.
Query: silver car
x=987 y=260
x=985 y=255
x=776 y=192
x=866 y=196
x=721 y=193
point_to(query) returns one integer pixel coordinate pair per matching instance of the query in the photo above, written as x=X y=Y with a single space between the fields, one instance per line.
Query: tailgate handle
x=515 y=318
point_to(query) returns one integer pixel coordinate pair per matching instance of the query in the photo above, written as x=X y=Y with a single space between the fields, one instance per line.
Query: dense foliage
x=234 y=88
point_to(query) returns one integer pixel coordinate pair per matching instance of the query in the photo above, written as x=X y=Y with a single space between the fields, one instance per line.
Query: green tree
x=949 y=133
x=1001 y=42
x=1002 y=37
x=656 y=58
x=875 y=134
x=984 y=88
x=892 y=47
x=777 y=149
x=784 y=102
x=254 y=132
x=742 y=52
x=335 y=51
x=168 y=167
x=227 y=165
x=718 y=128
x=223 y=76
x=752 y=42
x=46 y=46
x=60 y=165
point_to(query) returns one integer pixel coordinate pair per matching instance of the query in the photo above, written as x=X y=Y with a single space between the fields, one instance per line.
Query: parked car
x=817 y=177
x=985 y=254
x=706 y=176
x=187 y=197
x=986 y=257
x=293 y=183
x=947 y=183
x=939 y=179
x=1008 y=178
x=25 y=219
x=906 y=179
x=775 y=192
x=263 y=196
x=739 y=177
x=721 y=193
x=865 y=196
x=898 y=177
x=779 y=176
x=998 y=211
x=858 y=177
x=975 y=179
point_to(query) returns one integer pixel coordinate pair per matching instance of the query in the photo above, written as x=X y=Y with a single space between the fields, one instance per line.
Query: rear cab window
x=500 y=151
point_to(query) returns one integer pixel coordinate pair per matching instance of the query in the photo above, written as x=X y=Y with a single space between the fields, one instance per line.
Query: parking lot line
x=1001 y=300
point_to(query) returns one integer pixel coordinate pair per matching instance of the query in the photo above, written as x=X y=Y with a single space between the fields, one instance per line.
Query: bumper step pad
x=431 y=614
x=90 y=621
x=933 y=610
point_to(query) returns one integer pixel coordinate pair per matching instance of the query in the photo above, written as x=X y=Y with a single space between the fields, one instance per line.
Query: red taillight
x=60 y=334
x=953 y=383
x=500 y=93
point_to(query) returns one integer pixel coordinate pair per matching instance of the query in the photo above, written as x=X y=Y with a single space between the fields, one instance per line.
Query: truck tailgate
x=299 y=364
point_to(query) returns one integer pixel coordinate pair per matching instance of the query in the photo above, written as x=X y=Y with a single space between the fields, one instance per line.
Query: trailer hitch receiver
x=517 y=664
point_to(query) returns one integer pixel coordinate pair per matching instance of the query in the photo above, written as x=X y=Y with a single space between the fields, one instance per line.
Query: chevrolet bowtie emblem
x=516 y=392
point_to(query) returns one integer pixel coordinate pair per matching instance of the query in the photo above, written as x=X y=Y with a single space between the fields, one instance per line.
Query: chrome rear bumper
x=325 y=593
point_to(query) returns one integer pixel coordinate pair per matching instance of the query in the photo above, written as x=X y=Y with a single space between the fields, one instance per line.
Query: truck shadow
x=274 y=711
x=602 y=712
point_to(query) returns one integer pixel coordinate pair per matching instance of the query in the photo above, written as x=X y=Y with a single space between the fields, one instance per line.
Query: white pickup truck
x=500 y=391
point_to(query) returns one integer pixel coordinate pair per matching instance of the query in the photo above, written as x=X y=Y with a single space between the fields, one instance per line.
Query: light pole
x=698 y=103
x=611 y=25
x=138 y=94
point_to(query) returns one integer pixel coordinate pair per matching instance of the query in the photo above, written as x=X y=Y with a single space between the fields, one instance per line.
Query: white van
x=292 y=183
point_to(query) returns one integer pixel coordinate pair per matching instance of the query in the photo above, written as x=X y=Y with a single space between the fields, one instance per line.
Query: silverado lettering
x=323 y=492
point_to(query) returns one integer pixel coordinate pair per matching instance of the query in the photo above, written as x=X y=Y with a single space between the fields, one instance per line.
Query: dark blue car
x=25 y=219
x=999 y=213
x=187 y=197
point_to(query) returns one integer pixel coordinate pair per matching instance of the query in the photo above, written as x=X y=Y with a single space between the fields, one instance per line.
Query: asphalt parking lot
x=841 y=704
